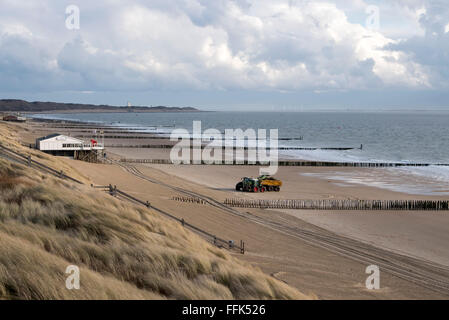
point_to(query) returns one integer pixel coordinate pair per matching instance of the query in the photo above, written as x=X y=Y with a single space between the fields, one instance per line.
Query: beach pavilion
x=61 y=145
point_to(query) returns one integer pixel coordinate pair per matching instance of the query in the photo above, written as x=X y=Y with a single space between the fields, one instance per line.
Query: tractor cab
x=248 y=185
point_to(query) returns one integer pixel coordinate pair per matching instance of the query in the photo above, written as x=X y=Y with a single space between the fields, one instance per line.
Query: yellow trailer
x=270 y=183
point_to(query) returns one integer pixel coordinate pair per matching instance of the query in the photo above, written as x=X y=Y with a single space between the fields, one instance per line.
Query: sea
x=405 y=137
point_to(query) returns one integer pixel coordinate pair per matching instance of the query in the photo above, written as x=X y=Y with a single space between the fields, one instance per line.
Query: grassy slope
x=9 y=137
x=123 y=251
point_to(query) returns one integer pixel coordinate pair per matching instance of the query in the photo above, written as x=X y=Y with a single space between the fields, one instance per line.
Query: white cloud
x=202 y=45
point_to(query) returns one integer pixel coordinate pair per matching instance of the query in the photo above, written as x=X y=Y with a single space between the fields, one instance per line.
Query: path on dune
x=423 y=273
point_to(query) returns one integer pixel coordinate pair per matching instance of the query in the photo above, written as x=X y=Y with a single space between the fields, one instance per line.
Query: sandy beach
x=415 y=238
x=419 y=234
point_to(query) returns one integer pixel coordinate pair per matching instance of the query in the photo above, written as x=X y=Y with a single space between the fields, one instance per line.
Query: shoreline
x=154 y=147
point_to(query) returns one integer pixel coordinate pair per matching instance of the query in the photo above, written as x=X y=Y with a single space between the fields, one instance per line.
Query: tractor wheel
x=239 y=186
x=270 y=188
x=256 y=189
x=262 y=189
x=277 y=189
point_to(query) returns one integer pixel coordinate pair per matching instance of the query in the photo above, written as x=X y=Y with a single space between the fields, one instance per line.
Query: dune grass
x=9 y=137
x=123 y=251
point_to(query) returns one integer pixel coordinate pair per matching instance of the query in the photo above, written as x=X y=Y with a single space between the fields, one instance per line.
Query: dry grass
x=9 y=137
x=123 y=251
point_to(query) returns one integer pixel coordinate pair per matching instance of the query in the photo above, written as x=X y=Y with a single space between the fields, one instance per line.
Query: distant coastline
x=13 y=105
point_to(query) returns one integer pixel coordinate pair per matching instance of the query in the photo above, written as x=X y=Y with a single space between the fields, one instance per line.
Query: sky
x=228 y=55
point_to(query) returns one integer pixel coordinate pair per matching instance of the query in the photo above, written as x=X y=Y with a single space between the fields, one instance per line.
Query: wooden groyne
x=395 y=205
x=91 y=131
x=169 y=146
x=141 y=136
x=152 y=161
x=195 y=200
x=94 y=126
x=297 y=163
x=108 y=136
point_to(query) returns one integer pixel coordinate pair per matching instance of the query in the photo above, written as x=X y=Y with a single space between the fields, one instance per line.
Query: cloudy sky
x=241 y=54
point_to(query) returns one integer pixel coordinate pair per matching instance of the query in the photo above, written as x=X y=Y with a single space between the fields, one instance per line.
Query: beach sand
x=418 y=234
x=307 y=266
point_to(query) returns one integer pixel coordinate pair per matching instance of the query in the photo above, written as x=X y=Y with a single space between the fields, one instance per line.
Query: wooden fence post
x=332 y=204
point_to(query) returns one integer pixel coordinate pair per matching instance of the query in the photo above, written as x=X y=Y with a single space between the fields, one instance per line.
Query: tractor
x=261 y=184
x=249 y=185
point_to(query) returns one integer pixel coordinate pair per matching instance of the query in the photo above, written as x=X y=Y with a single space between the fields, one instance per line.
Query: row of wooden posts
x=154 y=136
x=332 y=204
x=296 y=163
x=189 y=199
x=222 y=148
